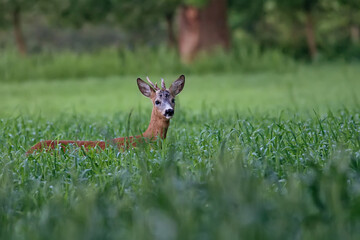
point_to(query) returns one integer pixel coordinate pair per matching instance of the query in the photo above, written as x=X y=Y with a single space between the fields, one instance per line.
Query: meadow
x=267 y=155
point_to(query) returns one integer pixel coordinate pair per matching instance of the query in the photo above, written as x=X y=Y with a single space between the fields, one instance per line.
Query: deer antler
x=152 y=84
x=163 y=84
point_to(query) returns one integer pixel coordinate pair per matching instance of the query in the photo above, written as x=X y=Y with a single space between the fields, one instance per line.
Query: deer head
x=163 y=99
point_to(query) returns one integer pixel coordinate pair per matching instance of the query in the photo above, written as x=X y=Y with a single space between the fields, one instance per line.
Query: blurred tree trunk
x=310 y=35
x=19 y=38
x=189 y=32
x=354 y=33
x=203 y=29
x=170 y=29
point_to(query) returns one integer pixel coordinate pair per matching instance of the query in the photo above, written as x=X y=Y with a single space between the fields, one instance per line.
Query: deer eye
x=157 y=102
x=173 y=100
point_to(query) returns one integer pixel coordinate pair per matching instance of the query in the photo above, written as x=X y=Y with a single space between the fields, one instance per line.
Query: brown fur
x=158 y=125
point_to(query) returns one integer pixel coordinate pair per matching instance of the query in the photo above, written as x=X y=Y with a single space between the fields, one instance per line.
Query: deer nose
x=169 y=112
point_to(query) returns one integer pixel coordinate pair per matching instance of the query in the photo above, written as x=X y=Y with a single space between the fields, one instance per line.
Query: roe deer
x=163 y=110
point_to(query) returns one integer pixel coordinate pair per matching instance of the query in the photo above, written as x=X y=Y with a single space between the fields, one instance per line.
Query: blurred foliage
x=271 y=24
x=127 y=13
x=160 y=60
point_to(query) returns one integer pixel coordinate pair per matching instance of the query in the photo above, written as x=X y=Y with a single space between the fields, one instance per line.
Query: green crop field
x=248 y=156
x=305 y=88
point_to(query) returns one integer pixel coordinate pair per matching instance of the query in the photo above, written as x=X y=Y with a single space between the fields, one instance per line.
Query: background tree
x=78 y=12
x=146 y=15
x=193 y=25
x=202 y=27
x=167 y=8
x=202 y=23
x=351 y=8
x=305 y=9
x=131 y=15
x=247 y=13
x=11 y=13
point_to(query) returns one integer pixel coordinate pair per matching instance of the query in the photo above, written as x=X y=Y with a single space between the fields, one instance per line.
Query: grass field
x=304 y=89
x=248 y=156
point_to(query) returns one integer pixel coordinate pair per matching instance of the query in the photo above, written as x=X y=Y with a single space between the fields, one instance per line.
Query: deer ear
x=177 y=86
x=144 y=88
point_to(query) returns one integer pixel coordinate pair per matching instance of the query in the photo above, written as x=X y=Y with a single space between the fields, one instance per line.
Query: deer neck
x=158 y=126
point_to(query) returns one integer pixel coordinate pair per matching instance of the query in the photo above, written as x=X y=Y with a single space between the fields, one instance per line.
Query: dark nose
x=169 y=112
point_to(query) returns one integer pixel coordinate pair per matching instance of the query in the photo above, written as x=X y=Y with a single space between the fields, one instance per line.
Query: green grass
x=248 y=156
x=215 y=177
x=50 y=66
x=307 y=88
